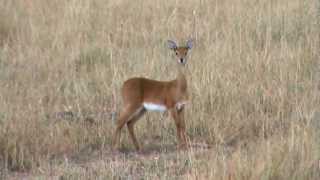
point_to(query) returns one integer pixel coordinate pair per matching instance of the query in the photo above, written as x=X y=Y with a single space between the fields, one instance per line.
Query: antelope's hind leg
x=130 y=126
x=127 y=114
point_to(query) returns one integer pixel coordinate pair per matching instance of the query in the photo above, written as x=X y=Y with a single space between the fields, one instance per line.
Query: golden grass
x=253 y=78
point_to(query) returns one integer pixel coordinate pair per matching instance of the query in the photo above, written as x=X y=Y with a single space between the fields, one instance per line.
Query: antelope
x=141 y=94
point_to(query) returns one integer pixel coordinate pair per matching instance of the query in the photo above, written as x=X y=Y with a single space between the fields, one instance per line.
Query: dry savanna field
x=253 y=75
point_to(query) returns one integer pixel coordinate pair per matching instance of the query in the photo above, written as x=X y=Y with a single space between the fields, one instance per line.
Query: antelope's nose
x=181 y=60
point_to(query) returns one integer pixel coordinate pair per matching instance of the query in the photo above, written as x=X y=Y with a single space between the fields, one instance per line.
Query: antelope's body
x=147 y=92
x=142 y=94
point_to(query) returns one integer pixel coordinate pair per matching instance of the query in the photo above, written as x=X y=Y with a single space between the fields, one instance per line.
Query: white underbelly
x=154 y=107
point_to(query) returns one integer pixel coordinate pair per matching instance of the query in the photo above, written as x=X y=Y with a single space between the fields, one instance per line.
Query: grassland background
x=253 y=79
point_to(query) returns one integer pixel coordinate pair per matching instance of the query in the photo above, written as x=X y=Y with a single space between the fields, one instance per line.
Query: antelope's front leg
x=178 y=116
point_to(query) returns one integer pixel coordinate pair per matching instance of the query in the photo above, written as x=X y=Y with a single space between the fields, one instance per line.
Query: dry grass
x=253 y=75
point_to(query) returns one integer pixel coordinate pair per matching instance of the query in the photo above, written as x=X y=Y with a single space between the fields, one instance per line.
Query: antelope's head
x=181 y=52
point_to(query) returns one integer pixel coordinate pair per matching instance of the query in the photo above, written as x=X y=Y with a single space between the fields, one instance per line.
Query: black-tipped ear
x=172 y=44
x=189 y=43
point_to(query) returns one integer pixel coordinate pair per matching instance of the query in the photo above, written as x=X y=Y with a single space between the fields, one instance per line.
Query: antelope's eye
x=176 y=53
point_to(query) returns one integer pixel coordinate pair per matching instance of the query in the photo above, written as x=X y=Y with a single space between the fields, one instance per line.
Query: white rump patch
x=154 y=107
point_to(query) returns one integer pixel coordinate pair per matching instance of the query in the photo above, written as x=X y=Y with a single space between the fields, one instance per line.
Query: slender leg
x=130 y=126
x=126 y=115
x=178 y=116
x=183 y=134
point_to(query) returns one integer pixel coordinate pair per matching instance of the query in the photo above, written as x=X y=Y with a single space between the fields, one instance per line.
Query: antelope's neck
x=181 y=79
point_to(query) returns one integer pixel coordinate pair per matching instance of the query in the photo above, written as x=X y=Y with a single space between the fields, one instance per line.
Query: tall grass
x=253 y=78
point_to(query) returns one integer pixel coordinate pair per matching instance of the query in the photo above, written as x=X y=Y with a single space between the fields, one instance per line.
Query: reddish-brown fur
x=170 y=94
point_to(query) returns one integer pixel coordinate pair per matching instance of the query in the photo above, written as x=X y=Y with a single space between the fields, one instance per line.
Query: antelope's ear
x=189 y=43
x=172 y=44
